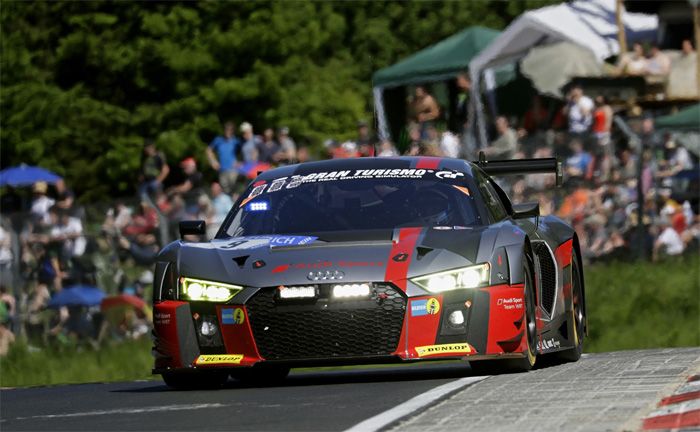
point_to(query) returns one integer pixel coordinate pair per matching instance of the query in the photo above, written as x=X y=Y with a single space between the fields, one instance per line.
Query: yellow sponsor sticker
x=455 y=348
x=213 y=359
x=433 y=306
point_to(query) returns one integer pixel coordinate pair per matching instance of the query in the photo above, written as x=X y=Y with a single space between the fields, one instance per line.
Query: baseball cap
x=40 y=187
x=246 y=127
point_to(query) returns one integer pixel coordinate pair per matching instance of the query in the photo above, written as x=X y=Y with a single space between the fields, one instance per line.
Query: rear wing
x=521 y=166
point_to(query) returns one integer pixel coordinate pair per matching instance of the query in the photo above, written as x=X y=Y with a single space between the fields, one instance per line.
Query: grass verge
x=630 y=306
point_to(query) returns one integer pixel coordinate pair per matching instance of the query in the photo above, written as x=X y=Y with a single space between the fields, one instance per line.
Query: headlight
x=201 y=290
x=467 y=277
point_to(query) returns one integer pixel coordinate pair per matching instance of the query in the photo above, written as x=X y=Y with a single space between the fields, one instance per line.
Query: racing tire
x=195 y=380
x=576 y=317
x=268 y=375
x=526 y=363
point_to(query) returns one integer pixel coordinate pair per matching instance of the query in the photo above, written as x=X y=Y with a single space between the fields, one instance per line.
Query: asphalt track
x=600 y=392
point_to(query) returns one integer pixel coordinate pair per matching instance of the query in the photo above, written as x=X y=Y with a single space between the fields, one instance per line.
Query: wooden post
x=696 y=24
x=621 y=37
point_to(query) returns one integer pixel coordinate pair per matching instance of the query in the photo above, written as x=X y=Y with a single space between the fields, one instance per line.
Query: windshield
x=335 y=202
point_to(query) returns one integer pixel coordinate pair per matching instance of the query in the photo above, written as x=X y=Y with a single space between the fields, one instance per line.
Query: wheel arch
x=579 y=261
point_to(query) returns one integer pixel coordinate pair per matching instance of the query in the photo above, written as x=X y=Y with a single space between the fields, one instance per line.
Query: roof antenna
x=482 y=157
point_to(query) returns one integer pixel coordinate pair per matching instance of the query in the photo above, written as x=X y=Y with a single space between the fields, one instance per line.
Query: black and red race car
x=370 y=260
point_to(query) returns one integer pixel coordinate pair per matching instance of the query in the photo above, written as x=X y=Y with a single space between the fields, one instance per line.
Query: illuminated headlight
x=201 y=290
x=351 y=290
x=299 y=292
x=258 y=206
x=467 y=277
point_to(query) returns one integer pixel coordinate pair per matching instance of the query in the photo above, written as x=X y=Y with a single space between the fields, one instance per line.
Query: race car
x=370 y=260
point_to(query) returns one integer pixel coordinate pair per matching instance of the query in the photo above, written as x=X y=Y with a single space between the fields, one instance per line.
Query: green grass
x=641 y=305
x=630 y=306
x=69 y=364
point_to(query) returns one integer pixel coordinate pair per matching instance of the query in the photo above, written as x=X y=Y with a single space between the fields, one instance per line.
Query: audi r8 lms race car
x=370 y=260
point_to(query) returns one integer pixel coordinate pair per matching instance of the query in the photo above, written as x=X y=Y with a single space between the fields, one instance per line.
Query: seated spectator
x=579 y=111
x=658 y=63
x=506 y=144
x=269 y=151
x=414 y=143
x=578 y=163
x=145 y=221
x=634 y=63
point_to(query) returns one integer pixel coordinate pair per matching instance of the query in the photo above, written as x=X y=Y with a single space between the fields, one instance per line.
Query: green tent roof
x=437 y=62
x=688 y=118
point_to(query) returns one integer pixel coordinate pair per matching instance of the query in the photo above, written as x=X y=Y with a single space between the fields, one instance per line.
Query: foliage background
x=83 y=83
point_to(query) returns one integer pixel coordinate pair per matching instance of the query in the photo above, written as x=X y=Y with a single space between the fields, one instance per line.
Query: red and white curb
x=680 y=411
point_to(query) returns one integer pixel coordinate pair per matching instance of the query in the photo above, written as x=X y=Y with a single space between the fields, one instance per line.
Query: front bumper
x=388 y=327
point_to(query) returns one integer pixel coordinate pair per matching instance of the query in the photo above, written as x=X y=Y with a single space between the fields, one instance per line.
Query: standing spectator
x=633 y=63
x=222 y=156
x=190 y=186
x=425 y=109
x=669 y=242
x=602 y=122
x=449 y=144
x=650 y=138
x=464 y=86
x=154 y=169
x=365 y=142
x=536 y=119
x=658 y=63
x=387 y=149
x=578 y=163
x=6 y=257
x=41 y=203
x=221 y=204
x=579 y=111
x=414 y=143
x=250 y=143
x=289 y=147
x=268 y=150
x=69 y=232
x=506 y=144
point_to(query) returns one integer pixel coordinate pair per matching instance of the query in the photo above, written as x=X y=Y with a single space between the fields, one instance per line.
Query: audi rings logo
x=325 y=275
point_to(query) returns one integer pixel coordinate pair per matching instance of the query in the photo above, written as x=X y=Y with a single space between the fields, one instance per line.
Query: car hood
x=355 y=256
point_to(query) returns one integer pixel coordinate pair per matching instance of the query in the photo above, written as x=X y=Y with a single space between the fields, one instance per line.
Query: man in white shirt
x=579 y=111
x=41 y=203
x=69 y=230
x=669 y=241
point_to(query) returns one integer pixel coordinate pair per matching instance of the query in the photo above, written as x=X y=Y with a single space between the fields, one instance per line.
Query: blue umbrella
x=25 y=175
x=77 y=295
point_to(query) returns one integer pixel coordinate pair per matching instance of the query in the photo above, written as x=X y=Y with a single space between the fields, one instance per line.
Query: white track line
x=126 y=411
x=412 y=405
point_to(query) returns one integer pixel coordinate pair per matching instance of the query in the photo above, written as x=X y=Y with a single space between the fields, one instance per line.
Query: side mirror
x=526 y=210
x=192 y=227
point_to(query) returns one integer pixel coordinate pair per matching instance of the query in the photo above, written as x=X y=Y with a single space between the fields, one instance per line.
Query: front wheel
x=195 y=380
x=526 y=363
x=576 y=318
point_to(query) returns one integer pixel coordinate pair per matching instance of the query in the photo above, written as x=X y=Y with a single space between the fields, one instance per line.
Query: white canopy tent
x=588 y=23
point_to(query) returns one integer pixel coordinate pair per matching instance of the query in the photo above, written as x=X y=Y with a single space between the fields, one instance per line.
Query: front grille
x=548 y=276
x=326 y=327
